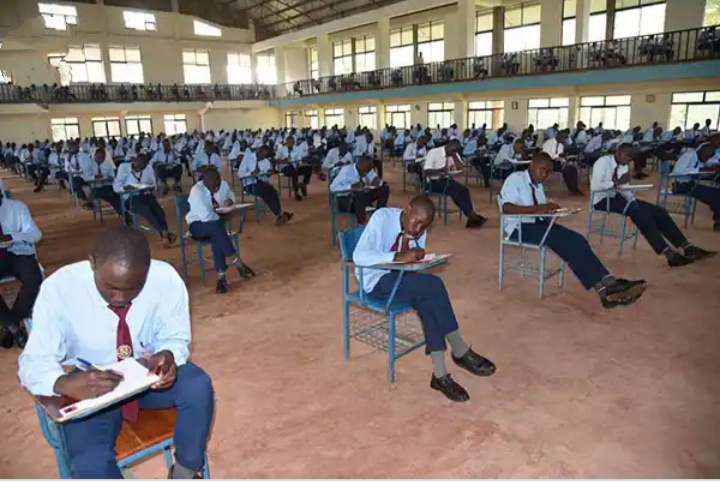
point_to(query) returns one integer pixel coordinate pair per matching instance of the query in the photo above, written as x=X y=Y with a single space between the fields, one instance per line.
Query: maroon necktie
x=396 y=245
x=532 y=188
x=615 y=175
x=3 y=250
x=216 y=205
x=125 y=350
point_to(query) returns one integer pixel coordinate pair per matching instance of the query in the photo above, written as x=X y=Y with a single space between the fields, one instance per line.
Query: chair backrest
x=348 y=240
x=182 y=208
x=8 y=194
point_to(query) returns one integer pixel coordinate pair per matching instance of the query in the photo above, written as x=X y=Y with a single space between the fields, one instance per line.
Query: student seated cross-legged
x=145 y=204
x=118 y=304
x=206 y=196
x=653 y=221
x=365 y=186
x=399 y=235
x=523 y=194
x=253 y=168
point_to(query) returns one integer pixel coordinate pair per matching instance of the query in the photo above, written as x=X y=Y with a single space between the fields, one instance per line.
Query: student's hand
x=624 y=179
x=255 y=173
x=358 y=185
x=128 y=187
x=87 y=384
x=163 y=364
x=376 y=182
x=98 y=176
x=5 y=238
x=410 y=255
x=548 y=207
x=228 y=202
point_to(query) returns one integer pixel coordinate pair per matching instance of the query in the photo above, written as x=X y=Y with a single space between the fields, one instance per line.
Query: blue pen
x=90 y=365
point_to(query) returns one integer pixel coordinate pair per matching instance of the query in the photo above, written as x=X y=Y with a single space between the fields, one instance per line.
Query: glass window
x=712 y=13
x=205 y=29
x=402 y=49
x=364 y=54
x=126 y=65
x=597 y=27
x=398 y=116
x=343 y=57
x=483 y=33
x=58 y=17
x=313 y=65
x=522 y=27
x=292 y=119
x=612 y=111
x=175 y=124
x=489 y=113
x=335 y=116
x=144 y=21
x=367 y=117
x=64 y=128
x=311 y=119
x=196 y=66
x=645 y=18
x=687 y=109
x=569 y=23
x=265 y=69
x=441 y=114
x=134 y=124
x=106 y=127
x=545 y=112
x=86 y=65
x=431 y=41
x=239 y=69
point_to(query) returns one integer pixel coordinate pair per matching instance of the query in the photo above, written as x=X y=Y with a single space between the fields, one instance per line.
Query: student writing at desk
x=120 y=303
x=253 y=172
x=365 y=186
x=288 y=160
x=96 y=169
x=206 y=196
x=438 y=163
x=523 y=194
x=687 y=170
x=657 y=226
x=167 y=165
x=395 y=235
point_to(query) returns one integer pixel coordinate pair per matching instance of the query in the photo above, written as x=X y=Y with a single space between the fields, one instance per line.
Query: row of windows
x=69 y=127
x=612 y=111
x=58 y=17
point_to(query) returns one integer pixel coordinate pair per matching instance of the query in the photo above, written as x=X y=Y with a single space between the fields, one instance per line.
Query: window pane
x=569 y=7
x=407 y=36
x=652 y=19
x=483 y=44
x=483 y=22
x=423 y=32
x=394 y=38
x=188 y=57
x=712 y=96
x=700 y=113
x=202 y=58
x=559 y=102
x=513 y=17
x=618 y=100
x=133 y=54
x=588 y=101
x=596 y=29
x=75 y=54
x=401 y=56
x=598 y=6
x=687 y=97
x=95 y=72
x=116 y=54
x=438 y=31
x=538 y=102
x=522 y=38
x=531 y=14
x=626 y=3
x=92 y=52
x=568 y=32
x=370 y=43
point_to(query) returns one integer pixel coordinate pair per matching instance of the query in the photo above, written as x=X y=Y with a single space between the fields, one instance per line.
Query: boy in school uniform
x=523 y=194
x=206 y=196
x=289 y=158
x=365 y=186
x=690 y=164
x=119 y=303
x=207 y=157
x=253 y=173
x=437 y=163
x=554 y=148
x=91 y=169
x=653 y=221
x=414 y=156
x=145 y=204
x=167 y=165
x=399 y=235
x=18 y=235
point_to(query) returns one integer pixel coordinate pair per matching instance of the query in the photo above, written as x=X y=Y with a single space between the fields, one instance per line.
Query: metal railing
x=669 y=47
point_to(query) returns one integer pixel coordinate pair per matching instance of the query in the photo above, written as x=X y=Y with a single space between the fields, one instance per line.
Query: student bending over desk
x=523 y=193
x=357 y=180
x=115 y=305
x=395 y=235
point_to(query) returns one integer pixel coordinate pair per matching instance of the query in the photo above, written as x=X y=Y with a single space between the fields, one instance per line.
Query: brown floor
x=580 y=391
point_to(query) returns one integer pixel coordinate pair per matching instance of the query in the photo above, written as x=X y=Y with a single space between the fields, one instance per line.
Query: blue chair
x=442 y=198
x=604 y=229
x=415 y=183
x=182 y=207
x=288 y=182
x=381 y=334
x=259 y=207
x=682 y=204
x=8 y=194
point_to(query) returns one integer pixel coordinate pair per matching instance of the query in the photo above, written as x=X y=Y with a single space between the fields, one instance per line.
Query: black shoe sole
x=459 y=399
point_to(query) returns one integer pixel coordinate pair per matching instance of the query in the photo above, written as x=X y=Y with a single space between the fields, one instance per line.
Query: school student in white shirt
x=207 y=157
x=94 y=169
x=364 y=187
x=167 y=165
x=254 y=172
x=395 y=235
x=523 y=194
x=18 y=234
x=289 y=160
x=685 y=173
x=140 y=173
x=657 y=226
x=206 y=196
x=435 y=168
x=554 y=148
x=118 y=304
x=414 y=156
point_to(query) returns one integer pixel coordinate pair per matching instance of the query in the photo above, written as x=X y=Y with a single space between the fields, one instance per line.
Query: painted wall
x=241 y=118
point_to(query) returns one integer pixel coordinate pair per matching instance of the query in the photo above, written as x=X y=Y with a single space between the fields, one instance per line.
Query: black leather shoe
x=303 y=190
x=678 y=260
x=475 y=364
x=451 y=389
x=623 y=293
x=6 y=338
x=697 y=253
x=476 y=222
x=222 y=286
x=298 y=197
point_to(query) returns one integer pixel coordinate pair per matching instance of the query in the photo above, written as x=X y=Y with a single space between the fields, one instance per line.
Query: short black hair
x=542 y=158
x=123 y=245
x=625 y=147
x=424 y=203
x=705 y=152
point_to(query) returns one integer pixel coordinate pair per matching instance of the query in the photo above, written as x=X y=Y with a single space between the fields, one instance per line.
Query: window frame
x=206 y=29
x=400 y=108
x=106 y=121
x=313 y=64
x=127 y=64
x=333 y=113
x=177 y=120
x=641 y=5
x=50 y=18
x=432 y=42
x=266 y=74
x=445 y=109
x=549 y=107
x=495 y=112
x=523 y=25
x=75 y=66
x=704 y=102
x=192 y=70
x=240 y=73
x=483 y=33
x=292 y=116
x=138 y=120
x=148 y=25
x=586 y=110
x=313 y=117
x=65 y=122
x=365 y=112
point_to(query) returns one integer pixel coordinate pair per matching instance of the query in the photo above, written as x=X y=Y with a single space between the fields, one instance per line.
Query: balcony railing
x=670 y=47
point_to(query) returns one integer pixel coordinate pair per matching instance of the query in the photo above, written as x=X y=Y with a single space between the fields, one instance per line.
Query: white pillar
x=175 y=5
x=461 y=32
x=582 y=21
x=550 y=23
x=684 y=14
x=460 y=113
x=499 y=30
x=324 y=49
x=382 y=43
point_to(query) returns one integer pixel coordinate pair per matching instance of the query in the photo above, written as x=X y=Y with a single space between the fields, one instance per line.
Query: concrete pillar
x=582 y=21
x=460 y=114
x=296 y=64
x=499 y=30
x=380 y=118
x=684 y=14
x=351 y=117
x=382 y=43
x=460 y=33
x=218 y=66
x=551 y=23
x=516 y=115
x=325 y=59
x=280 y=64
x=175 y=5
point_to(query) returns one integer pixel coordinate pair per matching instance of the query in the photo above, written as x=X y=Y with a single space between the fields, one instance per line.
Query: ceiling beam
x=320 y=19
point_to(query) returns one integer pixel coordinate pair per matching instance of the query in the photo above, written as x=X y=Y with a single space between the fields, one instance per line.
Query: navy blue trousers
x=704 y=194
x=222 y=246
x=570 y=246
x=428 y=296
x=147 y=206
x=91 y=442
x=457 y=191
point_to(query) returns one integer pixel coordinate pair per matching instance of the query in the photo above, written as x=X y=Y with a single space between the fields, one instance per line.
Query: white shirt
x=594 y=145
x=688 y=163
x=375 y=243
x=201 y=205
x=602 y=183
x=235 y=151
x=248 y=166
x=436 y=159
x=581 y=137
x=518 y=190
x=348 y=176
x=553 y=147
x=412 y=153
x=201 y=160
x=333 y=158
x=649 y=135
x=127 y=175
x=505 y=154
x=400 y=139
x=90 y=168
x=161 y=158
x=71 y=320
x=18 y=223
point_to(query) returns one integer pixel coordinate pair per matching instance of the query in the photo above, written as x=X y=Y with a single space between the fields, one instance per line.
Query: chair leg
x=391 y=347
x=184 y=260
x=623 y=225
x=168 y=457
x=346 y=329
x=501 y=266
x=542 y=272
x=200 y=261
x=562 y=273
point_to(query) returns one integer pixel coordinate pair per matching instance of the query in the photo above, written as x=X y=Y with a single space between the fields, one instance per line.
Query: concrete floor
x=580 y=391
